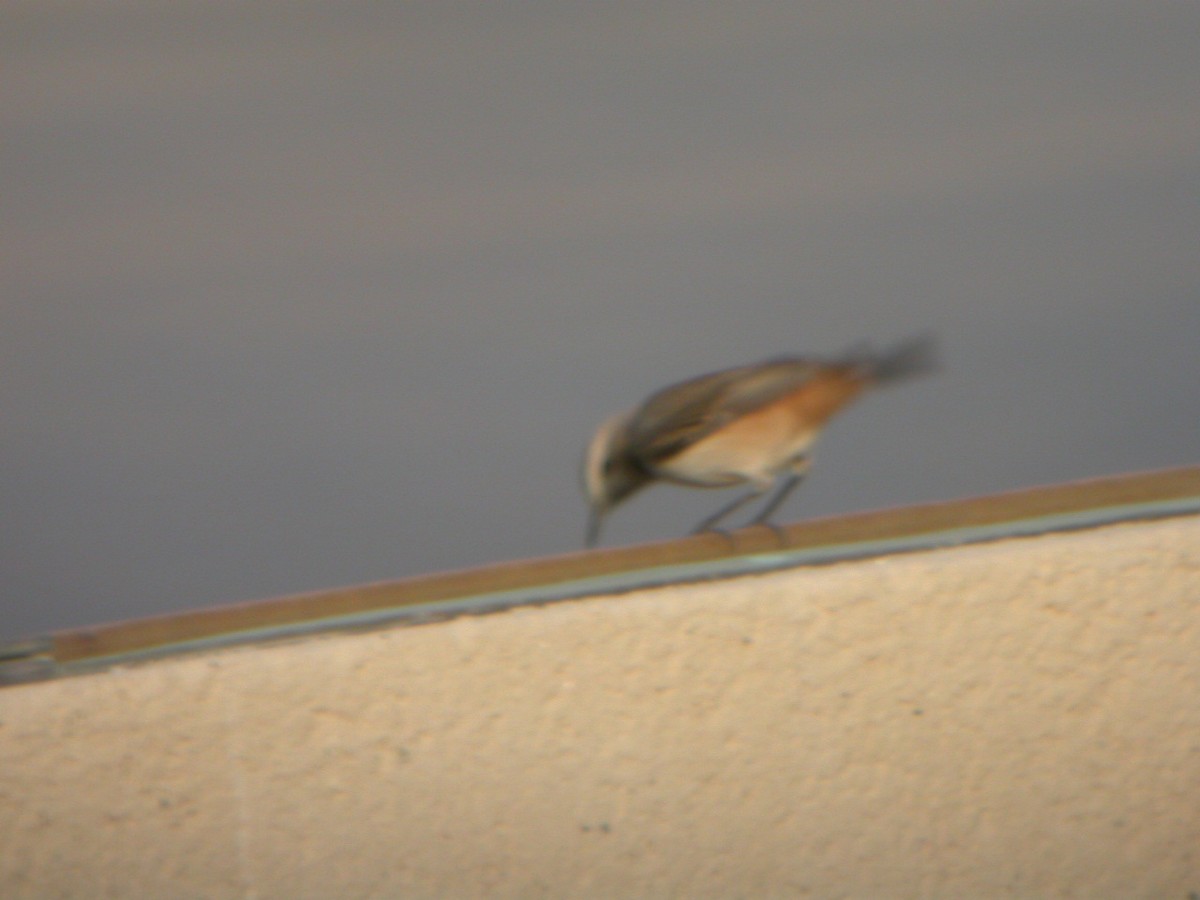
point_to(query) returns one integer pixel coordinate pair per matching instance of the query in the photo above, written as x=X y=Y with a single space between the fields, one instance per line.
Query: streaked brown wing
x=680 y=415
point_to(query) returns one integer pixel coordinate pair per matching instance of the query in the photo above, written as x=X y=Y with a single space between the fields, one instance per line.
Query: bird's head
x=610 y=472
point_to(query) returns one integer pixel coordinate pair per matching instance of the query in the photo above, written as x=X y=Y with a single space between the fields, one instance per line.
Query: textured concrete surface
x=1015 y=719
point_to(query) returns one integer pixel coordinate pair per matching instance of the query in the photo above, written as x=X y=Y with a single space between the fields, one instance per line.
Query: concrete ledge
x=1136 y=497
x=1015 y=718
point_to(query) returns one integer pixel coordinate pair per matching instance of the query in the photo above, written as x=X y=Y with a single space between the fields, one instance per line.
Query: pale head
x=610 y=473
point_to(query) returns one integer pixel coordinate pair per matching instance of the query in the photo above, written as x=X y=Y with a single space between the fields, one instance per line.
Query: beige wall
x=1012 y=719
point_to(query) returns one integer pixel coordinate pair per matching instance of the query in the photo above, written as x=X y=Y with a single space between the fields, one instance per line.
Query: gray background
x=296 y=296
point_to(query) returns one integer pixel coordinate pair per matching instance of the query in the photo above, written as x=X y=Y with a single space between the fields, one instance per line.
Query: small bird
x=749 y=425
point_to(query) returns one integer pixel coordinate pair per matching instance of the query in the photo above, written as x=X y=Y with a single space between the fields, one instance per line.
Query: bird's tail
x=908 y=359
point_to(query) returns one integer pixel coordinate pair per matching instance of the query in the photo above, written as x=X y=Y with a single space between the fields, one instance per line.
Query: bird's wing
x=679 y=415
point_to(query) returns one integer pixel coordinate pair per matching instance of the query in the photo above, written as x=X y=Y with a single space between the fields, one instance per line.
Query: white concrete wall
x=1014 y=719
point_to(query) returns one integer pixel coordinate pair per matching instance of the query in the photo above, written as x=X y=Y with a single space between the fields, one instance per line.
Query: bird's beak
x=595 y=520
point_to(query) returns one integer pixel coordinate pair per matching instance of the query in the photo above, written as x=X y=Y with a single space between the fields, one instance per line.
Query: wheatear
x=750 y=425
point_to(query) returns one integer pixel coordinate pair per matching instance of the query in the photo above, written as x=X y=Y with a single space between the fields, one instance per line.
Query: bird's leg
x=764 y=517
x=738 y=503
x=789 y=485
x=799 y=467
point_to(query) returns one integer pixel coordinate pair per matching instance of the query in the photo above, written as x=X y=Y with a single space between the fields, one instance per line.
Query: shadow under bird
x=752 y=425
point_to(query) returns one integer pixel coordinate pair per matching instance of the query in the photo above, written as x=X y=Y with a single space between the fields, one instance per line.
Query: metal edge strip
x=34 y=660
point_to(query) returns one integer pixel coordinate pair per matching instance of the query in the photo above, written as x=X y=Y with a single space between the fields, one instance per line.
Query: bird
x=750 y=425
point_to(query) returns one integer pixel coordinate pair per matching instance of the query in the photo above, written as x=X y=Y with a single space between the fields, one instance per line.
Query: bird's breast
x=756 y=446
x=753 y=448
